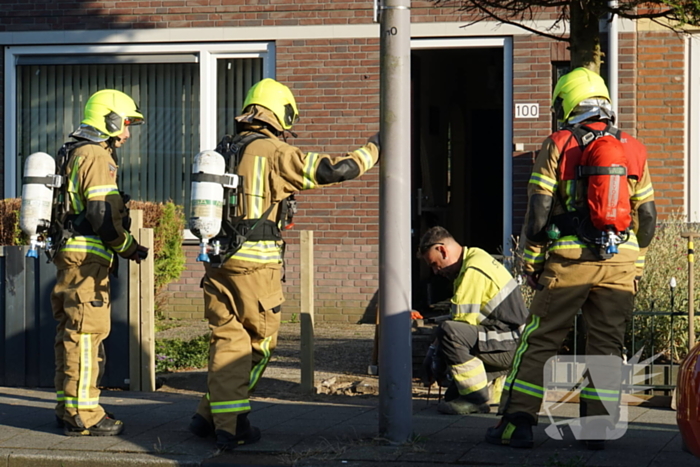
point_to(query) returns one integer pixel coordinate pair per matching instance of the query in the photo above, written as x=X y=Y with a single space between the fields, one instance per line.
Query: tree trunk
x=585 y=36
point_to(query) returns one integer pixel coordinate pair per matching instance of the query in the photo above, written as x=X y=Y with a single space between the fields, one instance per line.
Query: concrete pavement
x=327 y=431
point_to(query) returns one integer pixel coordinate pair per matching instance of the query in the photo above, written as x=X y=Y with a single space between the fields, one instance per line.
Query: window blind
x=155 y=162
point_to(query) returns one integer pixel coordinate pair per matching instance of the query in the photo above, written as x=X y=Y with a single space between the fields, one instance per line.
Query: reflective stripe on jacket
x=486 y=294
x=272 y=170
x=91 y=176
x=547 y=180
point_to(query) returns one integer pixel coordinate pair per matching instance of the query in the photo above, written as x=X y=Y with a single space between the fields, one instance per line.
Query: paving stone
x=320 y=433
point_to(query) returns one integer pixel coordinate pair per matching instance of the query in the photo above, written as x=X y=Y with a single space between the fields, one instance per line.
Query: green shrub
x=176 y=354
x=666 y=258
x=167 y=221
x=10 y=233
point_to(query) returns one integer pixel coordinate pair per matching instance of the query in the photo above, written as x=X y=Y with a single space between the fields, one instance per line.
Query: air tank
x=37 y=197
x=207 y=198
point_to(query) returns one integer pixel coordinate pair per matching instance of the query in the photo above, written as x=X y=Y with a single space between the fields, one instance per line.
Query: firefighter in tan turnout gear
x=90 y=225
x=476 y=345
x=572 y=264
x=242 y=281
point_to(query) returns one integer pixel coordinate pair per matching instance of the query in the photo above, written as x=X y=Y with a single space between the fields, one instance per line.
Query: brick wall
x=336 y=83
x=41 y=15
x=661 y=95
x=183 y=299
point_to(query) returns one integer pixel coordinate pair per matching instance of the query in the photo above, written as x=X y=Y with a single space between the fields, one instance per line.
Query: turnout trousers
x=80 y=302
x=242 y=305
x=605 y=295
x=470 y=368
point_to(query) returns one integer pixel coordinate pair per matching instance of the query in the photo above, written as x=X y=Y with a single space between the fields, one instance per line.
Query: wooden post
x=135 y=308
x=307 y=311
x=691 y=287
x=148 y=342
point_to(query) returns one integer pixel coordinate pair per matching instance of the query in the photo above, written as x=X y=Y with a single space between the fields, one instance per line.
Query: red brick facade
x=336 y=82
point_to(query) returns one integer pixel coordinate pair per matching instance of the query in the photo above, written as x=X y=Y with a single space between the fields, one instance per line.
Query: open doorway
x=457 y=153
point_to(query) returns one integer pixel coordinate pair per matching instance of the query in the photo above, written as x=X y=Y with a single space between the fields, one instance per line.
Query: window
x=154 y=163
x=188 y=95
x=234 y=78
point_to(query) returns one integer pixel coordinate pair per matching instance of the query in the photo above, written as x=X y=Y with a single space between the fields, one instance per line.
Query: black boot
x=245 y=434
x=60 y=423
x=105 y=427
x=461 y=406
x=595 y=444
x=514 y=430
x=201 y=427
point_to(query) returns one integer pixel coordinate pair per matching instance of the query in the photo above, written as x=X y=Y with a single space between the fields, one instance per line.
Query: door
x=457 y=153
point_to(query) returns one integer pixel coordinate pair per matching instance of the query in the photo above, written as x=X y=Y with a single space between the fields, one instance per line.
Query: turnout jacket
x=550 y=195
x=272 y=170
x=96 y=208
x=485 y=294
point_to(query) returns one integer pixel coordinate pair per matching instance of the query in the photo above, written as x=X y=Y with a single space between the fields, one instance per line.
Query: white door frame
x=692 y=172
x=506 y=43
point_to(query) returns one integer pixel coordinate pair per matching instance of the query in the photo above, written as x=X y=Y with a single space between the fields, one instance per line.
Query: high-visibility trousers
x=605 y=295
x=470 y=369
x=242 y=306
x=81 y=304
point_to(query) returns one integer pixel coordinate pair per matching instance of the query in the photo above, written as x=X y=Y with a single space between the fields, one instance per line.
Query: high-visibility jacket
x=272 y=170
x=547 y=180
x=485 y=294
x=91 y=187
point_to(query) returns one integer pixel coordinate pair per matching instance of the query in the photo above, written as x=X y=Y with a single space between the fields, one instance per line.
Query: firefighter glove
x=533 y=280
x=141 y=253
x=374 y=139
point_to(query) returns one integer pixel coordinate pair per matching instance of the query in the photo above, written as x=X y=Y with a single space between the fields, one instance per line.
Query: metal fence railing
x=652 y=374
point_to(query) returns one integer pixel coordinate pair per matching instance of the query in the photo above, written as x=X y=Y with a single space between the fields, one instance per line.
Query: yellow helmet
x=276 y=97
x=573 y=88
x=109 y=111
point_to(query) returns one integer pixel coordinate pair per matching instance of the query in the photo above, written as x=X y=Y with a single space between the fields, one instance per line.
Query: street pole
x=691 y=287
x=395 y=255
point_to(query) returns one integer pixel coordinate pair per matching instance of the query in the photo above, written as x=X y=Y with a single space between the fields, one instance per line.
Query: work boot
x=594 y=429
x=60 y=423
x=451 y=393
x=105 y=427
x=201 y=427
x=595 y=444
x=513 y=430
x=245 y=434
x=459 y=406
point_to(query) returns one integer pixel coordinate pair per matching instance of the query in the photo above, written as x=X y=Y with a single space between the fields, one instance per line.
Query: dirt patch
x=342 y=356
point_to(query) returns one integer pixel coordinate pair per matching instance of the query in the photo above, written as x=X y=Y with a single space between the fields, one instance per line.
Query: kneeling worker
x=487 y=316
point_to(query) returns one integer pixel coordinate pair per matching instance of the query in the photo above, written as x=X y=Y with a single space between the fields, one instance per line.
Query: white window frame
x=506 y=43
x=207 y=56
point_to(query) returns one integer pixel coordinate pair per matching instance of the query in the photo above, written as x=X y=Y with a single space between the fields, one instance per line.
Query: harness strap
x=589 y=170
x=62 y=228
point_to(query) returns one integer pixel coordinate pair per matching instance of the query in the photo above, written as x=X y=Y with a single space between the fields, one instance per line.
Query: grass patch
x=178 y=354
x=167 y=323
